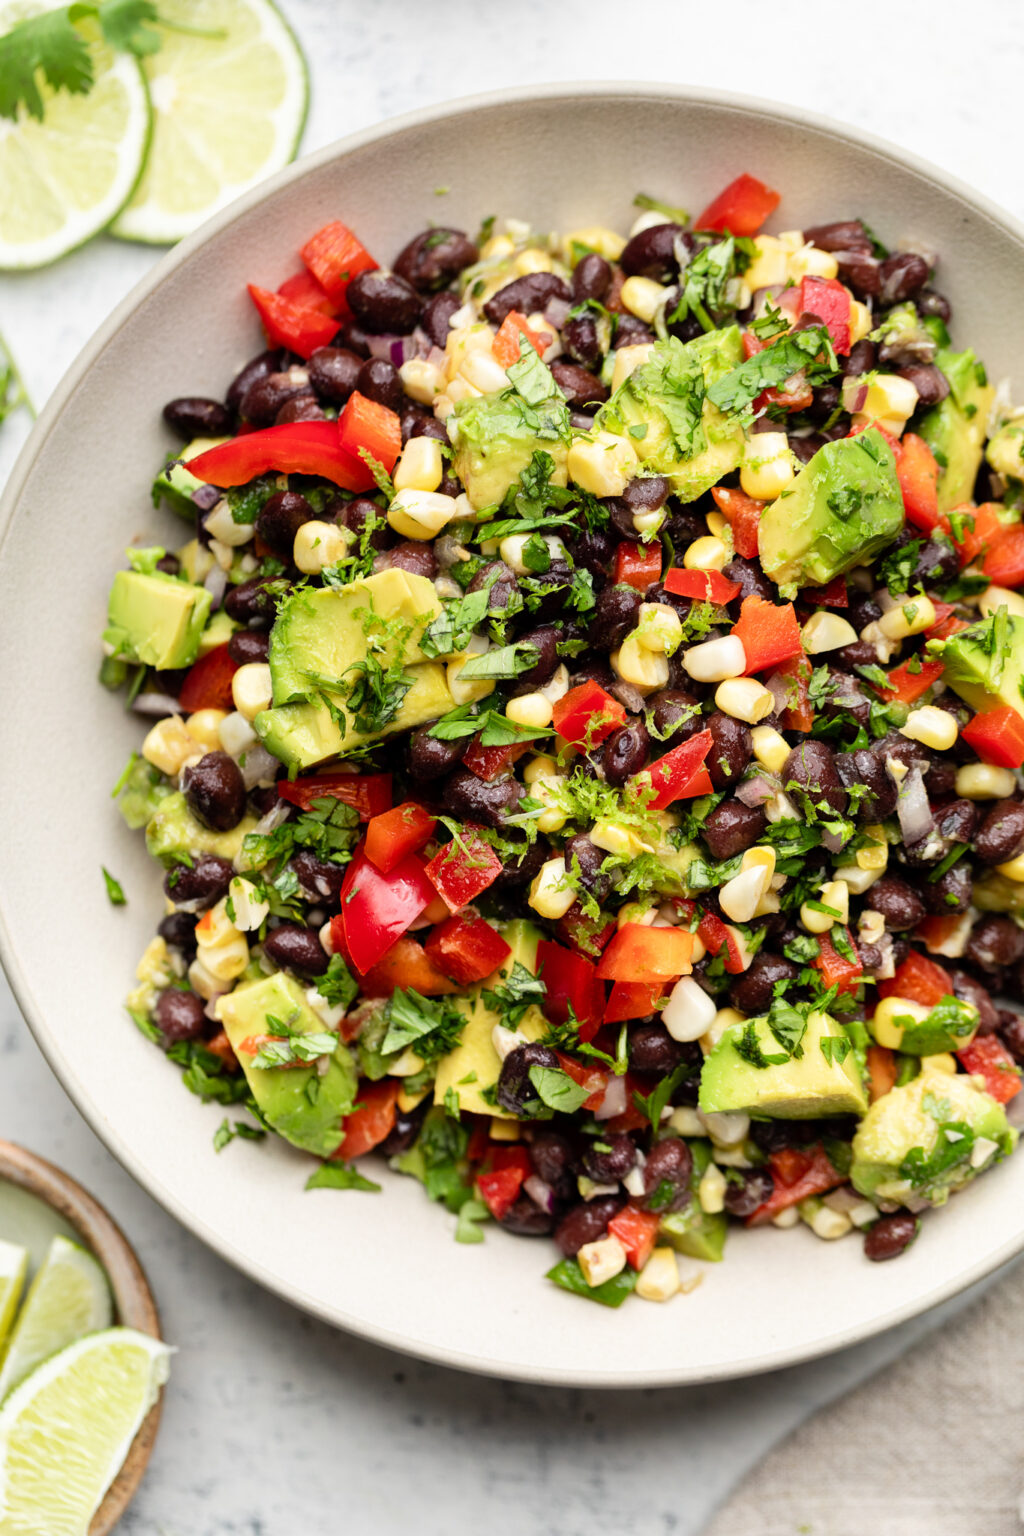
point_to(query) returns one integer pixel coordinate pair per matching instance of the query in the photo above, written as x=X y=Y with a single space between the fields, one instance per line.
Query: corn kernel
x=204 y=727
x=319 y=544
x=407 y=1102
x=628 y=360
x=646 y=670
x=826 y=631
x=725 y=1018
x=602 y=1260
x=933 y=726
x=711 y=1190
x=421 y=466
x=602 y=463
x=422 y=381
x=787 y=1218
x=726 y=1129
x=420 y=514
x=769 y=266
x=861 y=323
x=980 y=781
x=235 y=734
x=497 y=248
x=168 y=745
x=1013 y=869
x=943 y=1061
x=530 y=709
x=885 y=1029
x=810 y=262
x=874 y=856
x=685 y=1121
x=912 y=618
x=834 y=894
x=248 y=908
x=226 y=961
x=659 y=1278
x=155 y=964
x=464 y=339
x=252 y=689
x=541 y=766
x=557 y=685
x=483 y=372
x=767 y=466
x=196 y=562
x=744 y=698
x=739 y=897
x=643 y=297
x=713 y=661
x=595 y=237
x=824 y=1222
x=648 y=523
x=533 y=259
x=503 y=1130
x=994 y=598
x=473 y=688
x=659 y=628
x=890 y=401
x=770 y=748
x=551 y=894
x=761 y=856
x=707 y=554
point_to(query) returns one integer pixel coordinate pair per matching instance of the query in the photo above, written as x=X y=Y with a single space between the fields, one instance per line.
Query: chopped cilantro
x=340 y=1176
x=115 y=895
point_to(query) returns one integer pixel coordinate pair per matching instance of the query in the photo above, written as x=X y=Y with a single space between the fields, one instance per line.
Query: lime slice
x=66 y=177
x=65 y=1432
x=13 y=1269
x=68 y=1297
x=228 y=111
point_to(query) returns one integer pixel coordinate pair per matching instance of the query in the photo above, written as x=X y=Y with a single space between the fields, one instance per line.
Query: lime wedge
x=13 y=1268
x=68 y=1297
x=228 y=110
x=65 y=1432
x=66 y=177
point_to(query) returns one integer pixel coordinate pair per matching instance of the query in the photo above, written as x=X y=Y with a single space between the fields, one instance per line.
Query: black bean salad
x=586 y=765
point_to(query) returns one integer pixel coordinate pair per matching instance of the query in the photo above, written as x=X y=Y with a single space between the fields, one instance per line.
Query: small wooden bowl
x=133 y=1300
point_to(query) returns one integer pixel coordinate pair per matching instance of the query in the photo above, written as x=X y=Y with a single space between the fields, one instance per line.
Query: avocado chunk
x=918 y=1140
x=985 y=662
x=495 y=437
x=663 y=410
x=955 y=428
x=1005 y=451
x=218 y=632
x=157 y=619
x=691 y=1230
x=304 y=1106
x=475 y=1057
x=303 y=734
x=173 y=833
x=841 y=510
x=822 y=1080
x=174 y=484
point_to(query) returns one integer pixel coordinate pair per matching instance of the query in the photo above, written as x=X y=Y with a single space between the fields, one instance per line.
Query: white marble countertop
x=274 y=1424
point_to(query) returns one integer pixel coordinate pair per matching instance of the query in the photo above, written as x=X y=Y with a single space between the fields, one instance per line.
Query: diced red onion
x=437 y=358
x=628 y=695
x=540 y=1193
x=854 y=394
x=779 y=687
x=393 y=349
x=614 y=1101
x=206 y=497
x=912 y=808
x=157 y=704
x=258 y=766
x=789 y=301
x=211 y=1007
x=758 y=790
x=275 y=817
x=833 y=841
x=216 y=584
x=556 y=312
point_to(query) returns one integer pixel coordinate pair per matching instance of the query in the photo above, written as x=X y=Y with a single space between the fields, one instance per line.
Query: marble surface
x=275 y=1424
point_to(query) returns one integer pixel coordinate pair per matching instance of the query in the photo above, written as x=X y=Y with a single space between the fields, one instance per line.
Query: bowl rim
x=518 y=95
x=133 y=1299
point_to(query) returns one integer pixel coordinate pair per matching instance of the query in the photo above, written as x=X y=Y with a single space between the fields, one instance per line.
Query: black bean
x=861 y=358
x=1001 y=835
x=902 y=274
x=194 y=416
x=586 y=857
x=890 y=1236
x=527 y=295
x=260 y=367
x=586 y=1222
x=842 y=235
x=525 y=1218
x=215 y=791
x=180 y=1015
x=937 y=563
x=383 y=302
x=471 y=799
x=579 y=387
x=753 y=992
x=731 y=750
x=812 y=767
x=333 y=373
x=295 y=948
x=519 y=869
x=248 y=601
x=667 y=1176
x=733 y=827
x=652 y=253
x=552 y=1157
x=743 y=1196
x=515 y=1090
x=676 y=716
x=169 y=564
x=415 y=423
x=957 y=820
x=751 y=579
x=652 y=1049
x=262 y=400
x=430 y=758
x=625 y=752
x=545 y=638
x=353 y=337
x=437 y=317
x=320 y=880
x=499 y=582
x=581 y=340
x=1011 y=1032
x=616 y=612
x=804 y=448
x=300 y=408
x=279 y=520
x=995 y=941
x=930 y=382
x=592 y=278
x=969 y=990
x=630 y=331
x=414 y=555
x=249 y=645
x=608 y=1167
x=898 y=903
x=928 y=302
x=178 y=930
x=432 y=259
x=951 y=892
x=647 y=493
x=860 y=271
x=407 y=1127
x=204 y=882
x=378 y=380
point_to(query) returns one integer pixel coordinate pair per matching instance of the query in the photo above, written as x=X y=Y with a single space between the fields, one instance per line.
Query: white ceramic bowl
x=385 y=1265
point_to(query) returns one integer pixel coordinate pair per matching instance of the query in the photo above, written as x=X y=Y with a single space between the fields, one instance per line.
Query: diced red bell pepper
x=372 y=1121
x=997 y=736
x=467 y=948
x=906 y=685
x=404 y=965
x=365 y=425
x=207 y=683
x=918 y=473
x=393 y=834
x=300 y=448
x=335 y=257
x=583 y=934
x=367 y=793
x=797 y=1175
x=500 y=1190
x=594 y=1079
x=743 y=514
x=988 y=1057
x=636 y=999
x=881 y=1071
x=933 y=932
x=287 y=324
x=741 y=208
x=714 y=935
x=828 y=299
x=799 y=712
x=701 y=586
x=303 y=289
x=636 y=1230
x=377 y=909
x=488 y=762
x=507 y=344
x=587 y=714
x=638 y=953
x=1004 y=561
x=919 y=980
x=679 y=775
x=463 y=869
x=770 y=634
x=637 y=565
x=570 y=981
x=980 y=528
x=946 y=622
x=835 y=969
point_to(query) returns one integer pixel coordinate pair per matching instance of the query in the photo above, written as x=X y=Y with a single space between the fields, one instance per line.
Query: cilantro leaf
x=115 y=895
x=226 y=1133
x=433 y=1025
x=337 y=985
x=49 y=44
x=471 y=1214
x=511 y=1000
x=505 y=661
x=557 y=1090
x=658 y=1099
x=798 y=350
x=340 y=1176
